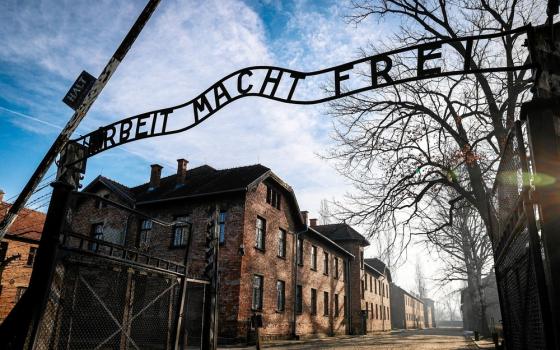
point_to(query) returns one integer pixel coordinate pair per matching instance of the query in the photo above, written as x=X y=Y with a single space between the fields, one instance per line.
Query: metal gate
x=517 y=250
x=107 y=296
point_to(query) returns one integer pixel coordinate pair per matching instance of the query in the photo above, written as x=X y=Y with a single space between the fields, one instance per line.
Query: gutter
x=240 y=189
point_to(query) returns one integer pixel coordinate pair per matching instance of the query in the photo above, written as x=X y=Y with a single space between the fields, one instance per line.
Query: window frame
x=336 y=311
x=313 y=302
x=335 y=263
x=96 y=235
x=314 y=258
x=299 y=299
x=260 y=234
x=31 y=257
x=282 y=242
x=184 y=233
x=273 y=197
x=325 y=263
x=299 y=251
x=147 y=230
x=222 y=217
x=3 y=250
x=254 y=305
x=280 y=296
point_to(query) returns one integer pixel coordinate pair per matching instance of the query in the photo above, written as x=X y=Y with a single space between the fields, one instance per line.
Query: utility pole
x=80 y=112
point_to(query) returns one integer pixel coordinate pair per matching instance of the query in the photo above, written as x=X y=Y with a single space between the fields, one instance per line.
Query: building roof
x=28 y=224
x=379 y=266
x=199 y=181
x=311 y=232
x=341 y=232
x=407 y=293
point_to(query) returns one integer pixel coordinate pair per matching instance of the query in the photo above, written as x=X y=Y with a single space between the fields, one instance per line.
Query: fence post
x=180 y=330
x=19 y=329
x=543 y=128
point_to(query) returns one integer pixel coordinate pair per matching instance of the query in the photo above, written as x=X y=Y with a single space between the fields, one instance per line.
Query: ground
x=428 y=339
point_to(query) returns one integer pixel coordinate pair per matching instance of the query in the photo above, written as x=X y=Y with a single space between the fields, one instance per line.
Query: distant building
x=17 y=255
x=368 y=281
x=407 y=311
x=429 y=313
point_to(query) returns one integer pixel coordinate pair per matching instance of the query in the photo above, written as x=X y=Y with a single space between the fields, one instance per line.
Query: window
x=376 y=281
x=273 y=197
x=325 y=303
x=145 y=229
x=363 y=288
x=313 y=301
x=257 y=292
x=300 y=251
x=313 y=258
x=326 y=263
x=299 y=299
x=344 y=270
x=336 y=305
x=260 y=233
x=362 y=260
x=376 y=312
x=180 y=231
x=280 y=295
x=3 y=250
x=367 y=309
x=370 y=283
x=281 y=243
x=19 y=292
x=31 y=256
x=99 y=203
x=96 y=233
x=336 y=268
x=222 y=226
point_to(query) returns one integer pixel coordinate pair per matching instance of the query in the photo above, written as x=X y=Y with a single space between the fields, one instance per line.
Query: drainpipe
x=294 y=287
x=382 y=303
x=347 y=308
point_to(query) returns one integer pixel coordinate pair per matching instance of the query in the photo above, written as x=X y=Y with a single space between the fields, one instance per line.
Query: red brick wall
x=376 y=297
x=117 y=220
x=272 y=268
x=236 y=271
x=15 y=275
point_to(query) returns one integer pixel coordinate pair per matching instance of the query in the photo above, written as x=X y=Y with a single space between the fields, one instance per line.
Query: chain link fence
x=96 y=304
x=514 y=250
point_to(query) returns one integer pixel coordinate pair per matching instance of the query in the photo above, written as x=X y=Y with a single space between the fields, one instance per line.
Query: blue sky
x=186 y=46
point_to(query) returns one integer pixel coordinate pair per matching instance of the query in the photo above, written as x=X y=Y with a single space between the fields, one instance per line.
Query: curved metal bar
x=156 y=122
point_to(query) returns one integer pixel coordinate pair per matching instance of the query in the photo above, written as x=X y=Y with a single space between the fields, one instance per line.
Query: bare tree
x=465 y=251
x=404 y=146
x=325 y=214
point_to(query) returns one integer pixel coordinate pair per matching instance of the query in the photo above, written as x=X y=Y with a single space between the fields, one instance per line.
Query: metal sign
x=294 y=87
x=79 y=90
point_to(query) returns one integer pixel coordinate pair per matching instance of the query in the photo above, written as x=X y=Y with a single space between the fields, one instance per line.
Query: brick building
x=17 y=254
x=271 y=262
x=407 y=311
x=368 y=284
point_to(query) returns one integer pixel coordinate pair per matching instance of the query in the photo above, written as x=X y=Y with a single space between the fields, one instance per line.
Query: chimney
x=312 y=222
x=181 y=170
x=304 y=216
x=1 y=195
x=155 y=175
